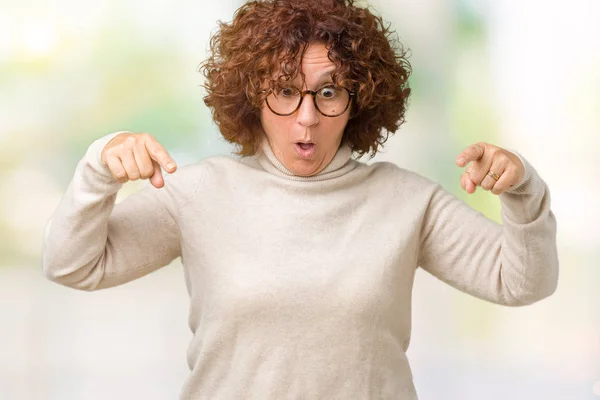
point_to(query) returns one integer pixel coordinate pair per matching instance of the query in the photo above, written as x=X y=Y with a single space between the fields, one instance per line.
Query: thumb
x=157 y=179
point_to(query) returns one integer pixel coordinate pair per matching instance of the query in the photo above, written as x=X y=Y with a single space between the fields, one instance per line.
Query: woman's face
x=306 y=141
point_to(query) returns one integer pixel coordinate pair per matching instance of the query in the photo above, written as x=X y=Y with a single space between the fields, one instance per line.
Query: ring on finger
x=493 y=175
x=480 y=151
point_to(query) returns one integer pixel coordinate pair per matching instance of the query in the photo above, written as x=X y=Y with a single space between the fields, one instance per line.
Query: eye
x=328 y=92
x=287 y=92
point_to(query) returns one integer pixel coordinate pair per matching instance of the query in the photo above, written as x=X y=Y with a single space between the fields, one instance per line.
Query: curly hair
x=271 y=36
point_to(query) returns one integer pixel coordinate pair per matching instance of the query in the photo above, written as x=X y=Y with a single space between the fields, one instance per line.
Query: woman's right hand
x=132 y=156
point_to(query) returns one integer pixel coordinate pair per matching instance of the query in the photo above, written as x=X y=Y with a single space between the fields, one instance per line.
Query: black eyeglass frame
x=313 y=93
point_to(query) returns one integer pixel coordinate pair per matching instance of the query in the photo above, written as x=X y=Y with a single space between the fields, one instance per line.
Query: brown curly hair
x=271 y=36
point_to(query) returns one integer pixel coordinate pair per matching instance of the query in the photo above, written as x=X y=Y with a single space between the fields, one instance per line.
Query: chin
x=309 y=169
x=305 y=175
x=304 y=172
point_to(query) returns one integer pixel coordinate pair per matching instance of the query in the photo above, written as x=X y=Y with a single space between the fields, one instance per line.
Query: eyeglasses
x=330 y=101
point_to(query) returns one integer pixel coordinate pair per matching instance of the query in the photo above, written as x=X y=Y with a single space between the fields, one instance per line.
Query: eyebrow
x=324 y=76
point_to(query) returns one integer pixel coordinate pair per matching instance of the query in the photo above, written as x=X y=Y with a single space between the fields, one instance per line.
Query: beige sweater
x=300 y=288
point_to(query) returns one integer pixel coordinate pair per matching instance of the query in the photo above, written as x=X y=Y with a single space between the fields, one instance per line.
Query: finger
x=466 y=183
x=496 y=171
x=505 y=182
x=116 y=168
x=463 y=180
x=474 y=152
x=478 y=169
x=470 y=187
x=143 y=160
x=128 y=159
x=157 y=179
x=158 y=153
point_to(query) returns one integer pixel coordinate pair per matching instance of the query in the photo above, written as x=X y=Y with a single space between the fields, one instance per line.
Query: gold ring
x=480 y=151
x=493 y=175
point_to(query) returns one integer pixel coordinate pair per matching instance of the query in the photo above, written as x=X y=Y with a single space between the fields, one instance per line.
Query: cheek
x=338 y=127
x=264 y=118
x=273 y=125
x=267 y=123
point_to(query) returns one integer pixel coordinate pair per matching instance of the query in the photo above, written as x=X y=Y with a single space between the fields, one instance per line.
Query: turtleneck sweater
x=300 y=287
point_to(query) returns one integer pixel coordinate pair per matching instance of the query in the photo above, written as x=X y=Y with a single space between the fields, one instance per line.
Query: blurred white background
x=521 y=75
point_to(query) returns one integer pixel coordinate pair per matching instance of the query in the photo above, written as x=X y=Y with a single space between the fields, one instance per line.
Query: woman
x=299 y=260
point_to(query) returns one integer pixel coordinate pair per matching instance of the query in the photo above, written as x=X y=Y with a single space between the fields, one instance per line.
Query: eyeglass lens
x=329 y=100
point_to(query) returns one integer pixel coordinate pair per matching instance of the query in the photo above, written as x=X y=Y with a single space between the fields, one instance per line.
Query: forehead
x=315 y=64
x=317 y=54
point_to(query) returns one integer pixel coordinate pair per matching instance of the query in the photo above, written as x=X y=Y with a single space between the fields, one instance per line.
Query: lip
x=306 y=154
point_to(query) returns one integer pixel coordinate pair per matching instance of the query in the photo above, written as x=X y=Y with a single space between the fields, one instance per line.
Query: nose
x=308 y=115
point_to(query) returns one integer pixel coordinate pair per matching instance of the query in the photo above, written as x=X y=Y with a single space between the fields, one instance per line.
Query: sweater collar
x=339 y=165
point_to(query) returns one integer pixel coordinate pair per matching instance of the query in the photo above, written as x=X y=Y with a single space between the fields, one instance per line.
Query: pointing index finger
x=160 y=155
x=472 y=153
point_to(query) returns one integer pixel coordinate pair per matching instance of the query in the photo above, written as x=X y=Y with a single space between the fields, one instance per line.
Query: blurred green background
x=521 y=75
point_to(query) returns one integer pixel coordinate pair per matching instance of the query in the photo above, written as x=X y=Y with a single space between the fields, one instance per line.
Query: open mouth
x=305 y=146
x=305 y=150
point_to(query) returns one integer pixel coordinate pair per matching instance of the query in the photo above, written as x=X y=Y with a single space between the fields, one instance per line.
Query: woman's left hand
x=492 y=168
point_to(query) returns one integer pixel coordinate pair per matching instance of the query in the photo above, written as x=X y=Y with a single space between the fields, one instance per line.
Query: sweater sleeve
x=90 y=243
x=513 y=263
